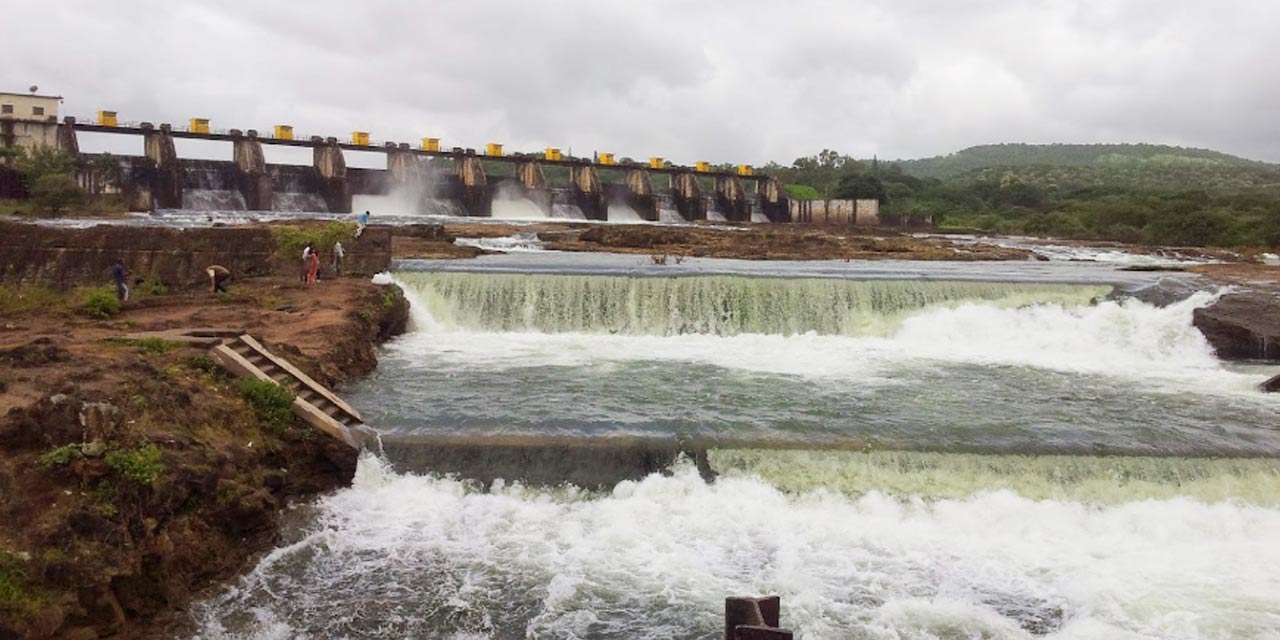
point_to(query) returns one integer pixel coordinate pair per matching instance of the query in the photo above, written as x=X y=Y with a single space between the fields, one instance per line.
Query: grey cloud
x=748 y=82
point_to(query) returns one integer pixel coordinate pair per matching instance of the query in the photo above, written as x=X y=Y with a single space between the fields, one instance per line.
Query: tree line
x=48 y=179
x=1128 y=193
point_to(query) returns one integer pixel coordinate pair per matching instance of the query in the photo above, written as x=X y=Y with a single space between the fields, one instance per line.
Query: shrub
x=55 y=192
x=101 y=303
x=142 y=465
x=271 y=403
x=291 y=240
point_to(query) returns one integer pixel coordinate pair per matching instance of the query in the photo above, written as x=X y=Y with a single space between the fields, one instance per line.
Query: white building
x=28 y=120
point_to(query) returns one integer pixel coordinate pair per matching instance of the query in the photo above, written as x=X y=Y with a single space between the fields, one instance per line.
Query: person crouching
x=218 y=276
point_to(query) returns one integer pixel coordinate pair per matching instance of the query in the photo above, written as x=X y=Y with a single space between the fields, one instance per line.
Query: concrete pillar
x=688 y=196
x=754 y=619
x=252 y=178
x=773 y=199
x=533 y=183
x=328 y=161
x=588 y=193
x=731 y=199
x=166 y=173
x=640 y=194
x=531 y=176
x=67 y=137
x=476 y=198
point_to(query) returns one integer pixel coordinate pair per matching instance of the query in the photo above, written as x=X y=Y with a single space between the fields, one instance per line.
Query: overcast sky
x=746 y=81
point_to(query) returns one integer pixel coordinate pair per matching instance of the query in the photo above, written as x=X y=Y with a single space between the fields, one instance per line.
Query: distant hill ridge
x=1131 y=156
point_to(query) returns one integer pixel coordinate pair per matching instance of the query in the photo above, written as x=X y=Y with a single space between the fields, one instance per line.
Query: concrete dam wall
x=430 y=181
x=64 y=257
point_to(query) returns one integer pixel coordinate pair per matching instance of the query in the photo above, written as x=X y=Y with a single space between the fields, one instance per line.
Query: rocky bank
x=133 y=474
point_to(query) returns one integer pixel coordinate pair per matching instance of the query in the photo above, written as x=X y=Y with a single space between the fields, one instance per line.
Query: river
x=899 y=450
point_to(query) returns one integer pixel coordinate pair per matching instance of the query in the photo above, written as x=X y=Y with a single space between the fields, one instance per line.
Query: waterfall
x=723 y=305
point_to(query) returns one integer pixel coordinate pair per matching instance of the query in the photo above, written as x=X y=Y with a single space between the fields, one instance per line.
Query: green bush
x=101 y=303
x=290 y=241
x=142 y=465
x=271 y=403
x=56 y=192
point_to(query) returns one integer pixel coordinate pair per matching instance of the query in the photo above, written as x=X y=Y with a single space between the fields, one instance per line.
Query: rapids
x=912 y=458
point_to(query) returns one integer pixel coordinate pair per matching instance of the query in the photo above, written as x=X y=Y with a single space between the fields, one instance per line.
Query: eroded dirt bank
x=133 y=475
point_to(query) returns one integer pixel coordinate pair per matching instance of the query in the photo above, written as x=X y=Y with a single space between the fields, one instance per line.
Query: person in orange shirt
x=313 y=267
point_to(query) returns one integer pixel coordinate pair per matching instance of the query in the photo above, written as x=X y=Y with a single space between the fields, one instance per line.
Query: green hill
x=1101 y=156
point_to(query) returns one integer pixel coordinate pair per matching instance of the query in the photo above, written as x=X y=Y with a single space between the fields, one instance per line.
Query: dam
x=426 y=179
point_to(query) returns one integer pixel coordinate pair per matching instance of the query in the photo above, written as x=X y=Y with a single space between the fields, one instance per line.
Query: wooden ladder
x=319 y=407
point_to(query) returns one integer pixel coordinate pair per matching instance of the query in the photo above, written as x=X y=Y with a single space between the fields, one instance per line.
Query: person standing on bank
x=218 y=276
x=121 y=277
x=313 y=268
x=306 y=260
x=338 y=254
x=362 y=221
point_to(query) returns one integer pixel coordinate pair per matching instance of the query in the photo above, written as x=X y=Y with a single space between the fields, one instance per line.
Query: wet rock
x=90 y=525
x=100 y=419
x=1242 y=326
x=37 y=353
x=1272 y=384
x=52 y=421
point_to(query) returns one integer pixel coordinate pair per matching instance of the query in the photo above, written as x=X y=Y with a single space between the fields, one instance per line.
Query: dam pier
x=424 y=178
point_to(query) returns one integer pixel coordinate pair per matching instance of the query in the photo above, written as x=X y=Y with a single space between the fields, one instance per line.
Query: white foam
x=405 y=556
x=1157 y=347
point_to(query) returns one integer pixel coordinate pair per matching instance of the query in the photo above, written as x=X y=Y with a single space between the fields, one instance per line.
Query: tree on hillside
x=56 y=191
x=43 y=161
x=861 y=187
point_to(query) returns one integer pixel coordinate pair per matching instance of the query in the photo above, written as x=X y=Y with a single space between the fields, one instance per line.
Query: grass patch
x=15 y=590
x=290 y=241
x=24 y=298
x=150 y=346
x=203 y=363
x=270 y=402
x=141 y=466
x=102 y=499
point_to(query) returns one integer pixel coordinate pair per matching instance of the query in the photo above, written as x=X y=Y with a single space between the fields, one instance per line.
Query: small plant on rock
x=62 y=456
x=142 y=465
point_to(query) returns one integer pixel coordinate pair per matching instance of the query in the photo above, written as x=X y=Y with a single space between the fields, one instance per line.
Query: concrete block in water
x=753 y=619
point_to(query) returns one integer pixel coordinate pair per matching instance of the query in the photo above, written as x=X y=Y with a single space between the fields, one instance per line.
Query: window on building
x=6 y=108
x=37 y=111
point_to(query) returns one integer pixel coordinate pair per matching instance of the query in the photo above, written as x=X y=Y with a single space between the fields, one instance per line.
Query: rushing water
x=954 y=456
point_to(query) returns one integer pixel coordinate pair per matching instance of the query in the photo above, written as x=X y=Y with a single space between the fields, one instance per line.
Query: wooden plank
x=238 y=365
x=302 y=377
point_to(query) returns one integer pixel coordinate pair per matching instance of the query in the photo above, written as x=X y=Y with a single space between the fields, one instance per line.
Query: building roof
x=29 y=95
